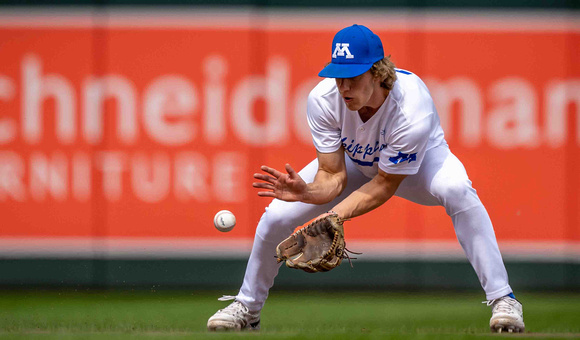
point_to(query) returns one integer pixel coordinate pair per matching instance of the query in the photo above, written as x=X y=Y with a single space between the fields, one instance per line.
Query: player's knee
x=275 y=222
x=457 y=189
x=456 y=194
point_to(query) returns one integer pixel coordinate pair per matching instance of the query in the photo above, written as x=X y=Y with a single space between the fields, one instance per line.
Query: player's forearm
x=325 y=187
x=368 y=197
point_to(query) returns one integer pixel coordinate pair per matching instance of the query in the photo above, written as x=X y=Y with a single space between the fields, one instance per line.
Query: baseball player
x=377 y=134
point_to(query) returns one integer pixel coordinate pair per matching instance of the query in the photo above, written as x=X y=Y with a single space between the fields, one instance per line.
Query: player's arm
x=369 y=196
x=329 y=182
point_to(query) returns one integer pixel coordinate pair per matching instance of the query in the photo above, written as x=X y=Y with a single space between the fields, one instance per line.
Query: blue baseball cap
x=354 y=51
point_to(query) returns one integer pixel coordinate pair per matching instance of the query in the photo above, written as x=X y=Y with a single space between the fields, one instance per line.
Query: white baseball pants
x=441 y=180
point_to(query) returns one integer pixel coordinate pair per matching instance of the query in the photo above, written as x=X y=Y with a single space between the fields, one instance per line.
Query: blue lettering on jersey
x=401 y=157
x=353 y=150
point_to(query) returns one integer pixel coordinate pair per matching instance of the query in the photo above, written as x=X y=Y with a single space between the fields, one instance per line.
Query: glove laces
x=346 y=255
x=347 y=252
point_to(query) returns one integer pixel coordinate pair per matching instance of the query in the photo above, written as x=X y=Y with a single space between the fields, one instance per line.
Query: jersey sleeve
x=324 y=127
x=406 y=147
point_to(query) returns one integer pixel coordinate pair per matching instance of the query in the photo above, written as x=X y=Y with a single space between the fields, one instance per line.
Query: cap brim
x=344 y=70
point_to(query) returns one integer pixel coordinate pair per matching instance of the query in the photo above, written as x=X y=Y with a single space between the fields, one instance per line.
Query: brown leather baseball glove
x=318 y=247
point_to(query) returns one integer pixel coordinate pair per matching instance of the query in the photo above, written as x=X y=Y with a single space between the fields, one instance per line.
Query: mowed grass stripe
x=287 y=315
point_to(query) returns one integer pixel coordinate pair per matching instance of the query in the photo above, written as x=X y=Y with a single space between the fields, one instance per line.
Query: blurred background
x=126 y=125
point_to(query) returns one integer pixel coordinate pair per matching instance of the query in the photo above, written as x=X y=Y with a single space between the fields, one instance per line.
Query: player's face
x=360 y=91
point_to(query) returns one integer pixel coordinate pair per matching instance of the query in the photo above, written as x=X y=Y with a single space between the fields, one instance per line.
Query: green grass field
x=287 y=315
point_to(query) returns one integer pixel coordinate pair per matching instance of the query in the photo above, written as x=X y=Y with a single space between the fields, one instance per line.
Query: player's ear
x=375 y=75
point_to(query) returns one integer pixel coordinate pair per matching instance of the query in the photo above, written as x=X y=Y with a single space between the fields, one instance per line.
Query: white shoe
x=235 y=317
x=507 y=315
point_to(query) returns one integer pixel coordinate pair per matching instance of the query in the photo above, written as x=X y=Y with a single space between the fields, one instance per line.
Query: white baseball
x=224 y=221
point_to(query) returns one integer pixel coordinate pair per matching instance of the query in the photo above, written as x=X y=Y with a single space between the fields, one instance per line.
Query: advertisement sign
x=127 y=126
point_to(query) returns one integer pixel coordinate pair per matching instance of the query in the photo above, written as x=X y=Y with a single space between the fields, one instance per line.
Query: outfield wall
x=124 y=130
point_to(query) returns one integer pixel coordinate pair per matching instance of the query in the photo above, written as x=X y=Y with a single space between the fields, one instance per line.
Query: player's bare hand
x=287 y=186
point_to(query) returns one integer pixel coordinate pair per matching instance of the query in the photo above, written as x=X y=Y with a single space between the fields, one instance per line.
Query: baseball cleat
x=507 y=315
x=235 y=317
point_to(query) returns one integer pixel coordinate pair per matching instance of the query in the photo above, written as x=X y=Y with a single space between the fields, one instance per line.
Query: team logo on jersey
x=342 y=50
x=401 y=157
x=368 y=150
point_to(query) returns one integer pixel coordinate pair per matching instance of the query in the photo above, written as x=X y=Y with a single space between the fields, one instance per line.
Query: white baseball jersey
x=394 y=139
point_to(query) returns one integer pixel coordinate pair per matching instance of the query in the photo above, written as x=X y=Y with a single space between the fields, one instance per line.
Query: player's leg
x=278 y=222
x=442 y=180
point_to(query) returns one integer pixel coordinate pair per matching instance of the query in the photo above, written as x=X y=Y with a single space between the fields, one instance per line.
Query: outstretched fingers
x=271 y=171
x=291 y=171
x=267 y=194
x=268 y=181
x=265 y=178
x=261 y=185
x=276 y=184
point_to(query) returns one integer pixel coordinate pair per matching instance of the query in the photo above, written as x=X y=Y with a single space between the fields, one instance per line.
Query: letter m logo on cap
x=340 y=50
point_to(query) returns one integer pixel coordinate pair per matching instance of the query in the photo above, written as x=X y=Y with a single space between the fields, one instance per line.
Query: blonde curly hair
x=385 y=69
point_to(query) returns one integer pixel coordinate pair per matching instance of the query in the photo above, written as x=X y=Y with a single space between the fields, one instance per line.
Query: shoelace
x=233 y=307
x=488 y=302
x=501 y=307
x=226 y=298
